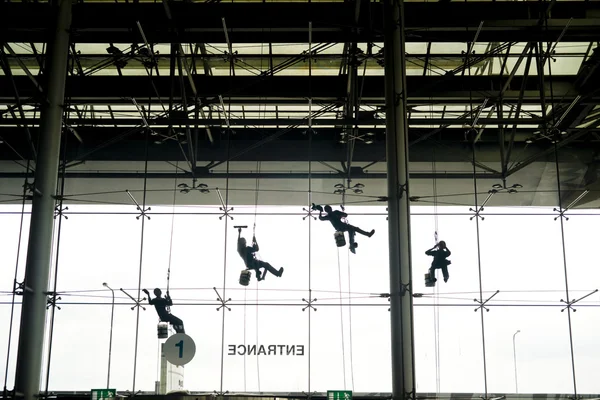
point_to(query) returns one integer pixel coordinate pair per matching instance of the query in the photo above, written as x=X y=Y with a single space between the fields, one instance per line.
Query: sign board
x=339 y=395
x=179 y=349
x=103 y=394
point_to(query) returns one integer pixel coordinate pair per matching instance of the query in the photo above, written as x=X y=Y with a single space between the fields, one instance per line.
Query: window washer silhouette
x=248 y=255
x=439 y=260
x=161 y=304
x=335 y=217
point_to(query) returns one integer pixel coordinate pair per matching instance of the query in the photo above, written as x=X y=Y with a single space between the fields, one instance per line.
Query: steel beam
x=33 y=315
x=200 y=22
x=283 y=88
x=401 y=307
x=248 y=122
x=205 y=176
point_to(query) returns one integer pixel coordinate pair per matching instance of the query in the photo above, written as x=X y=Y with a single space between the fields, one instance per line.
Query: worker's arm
x=322 y=218
x=150 y=301
x=254 y=243
x=448 y=252
x=168 y=299
x=430 y=252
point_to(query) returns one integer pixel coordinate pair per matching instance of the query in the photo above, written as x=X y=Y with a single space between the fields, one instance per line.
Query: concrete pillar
x=39 y=252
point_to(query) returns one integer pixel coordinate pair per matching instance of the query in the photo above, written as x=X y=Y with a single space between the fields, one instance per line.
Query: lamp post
x=515 y=361
x=112 y=315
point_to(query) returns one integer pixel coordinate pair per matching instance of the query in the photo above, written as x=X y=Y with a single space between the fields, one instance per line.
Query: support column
x=39 y=251
x=403 y=379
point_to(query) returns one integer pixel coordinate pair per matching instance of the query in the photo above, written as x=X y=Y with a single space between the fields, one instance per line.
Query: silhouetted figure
x=440 y=253
x=335 y=217
x=161 y=304
x=248 y=255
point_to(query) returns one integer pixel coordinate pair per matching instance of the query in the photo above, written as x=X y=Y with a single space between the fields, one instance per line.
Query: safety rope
x=172 y=227
x=14 y=291
x=341 y=317
x=436 y=290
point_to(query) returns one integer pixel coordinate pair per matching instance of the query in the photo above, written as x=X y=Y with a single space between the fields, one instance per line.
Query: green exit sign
x=339 y=395
x=104 y=394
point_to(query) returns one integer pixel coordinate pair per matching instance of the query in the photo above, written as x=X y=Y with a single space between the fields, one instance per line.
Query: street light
x=112 y=315
x=515 y=361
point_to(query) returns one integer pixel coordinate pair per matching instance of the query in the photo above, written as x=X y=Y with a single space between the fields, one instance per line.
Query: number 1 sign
x=179 y=349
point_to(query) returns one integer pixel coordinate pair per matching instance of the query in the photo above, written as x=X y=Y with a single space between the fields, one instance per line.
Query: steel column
x=403 y=379
x=33 y=314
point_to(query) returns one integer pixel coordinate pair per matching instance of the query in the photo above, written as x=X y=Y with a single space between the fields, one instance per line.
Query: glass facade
x=500 y=325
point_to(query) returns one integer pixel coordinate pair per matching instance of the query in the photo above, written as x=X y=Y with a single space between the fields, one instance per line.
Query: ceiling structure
x=201 y=92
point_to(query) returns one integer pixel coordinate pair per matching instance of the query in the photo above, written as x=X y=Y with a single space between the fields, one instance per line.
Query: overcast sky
x=520 y=255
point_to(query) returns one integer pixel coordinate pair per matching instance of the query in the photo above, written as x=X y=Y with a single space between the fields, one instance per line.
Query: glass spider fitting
x=185 y=188
x=341 y=188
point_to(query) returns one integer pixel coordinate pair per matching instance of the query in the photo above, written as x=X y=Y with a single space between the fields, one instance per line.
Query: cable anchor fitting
x=223 y=302
x=483 y=303
x=309 y=303
x=52 y=299
x=226 y=210
x=138 y=207
x=138 y=303
x=561 y=214
x=570 y=303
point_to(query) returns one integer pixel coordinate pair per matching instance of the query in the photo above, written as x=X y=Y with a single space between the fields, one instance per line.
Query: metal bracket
x=138 y=303
x=561 y=214
x=309 y=395
x=30 y=187
x=138 y=207
x=405 y=288
x=398 y=97
x=570 y=303
x=223 y=207
x=309 y=213
x=412 y=395
x=402 y=188
x=477 y=213
x=51 y=300
x=223 y=302
x=59 y=211
x=19 y=288
x=483 y=303
x=309 y=303
x=185 y=188
x=215 y=393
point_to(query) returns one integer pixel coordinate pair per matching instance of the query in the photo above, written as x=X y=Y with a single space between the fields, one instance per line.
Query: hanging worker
x=161 y=304
x=440 y=253
x=248 y=255
x=335 y=217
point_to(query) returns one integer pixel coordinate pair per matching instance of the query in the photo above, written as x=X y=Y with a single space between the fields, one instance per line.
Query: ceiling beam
x=201 y=22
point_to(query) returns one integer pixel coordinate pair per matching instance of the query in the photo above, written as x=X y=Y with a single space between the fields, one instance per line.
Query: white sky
x=521 y=255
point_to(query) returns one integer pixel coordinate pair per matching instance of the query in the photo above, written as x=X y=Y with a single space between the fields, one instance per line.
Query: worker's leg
x=176 y=322
x=445 y=273
x=432 y=274
x=269 y=267
x=357 y=229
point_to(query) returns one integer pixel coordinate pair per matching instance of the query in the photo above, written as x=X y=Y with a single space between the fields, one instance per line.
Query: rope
x=172 y=228
x=14 y=292
x=310 y=136
x=139 y=288
x=257 y=357
x=350 y=322
x=342 y=318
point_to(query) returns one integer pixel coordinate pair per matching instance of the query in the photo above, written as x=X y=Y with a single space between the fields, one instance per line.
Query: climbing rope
x=172 y=229
x=14 y=291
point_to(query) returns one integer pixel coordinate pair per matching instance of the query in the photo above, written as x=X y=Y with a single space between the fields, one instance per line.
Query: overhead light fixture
x=529 y=140
x=368 y=141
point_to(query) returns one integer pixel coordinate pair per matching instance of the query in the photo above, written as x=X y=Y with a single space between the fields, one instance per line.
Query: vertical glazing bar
x=33 y=315
x=403 y=380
